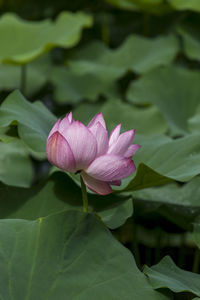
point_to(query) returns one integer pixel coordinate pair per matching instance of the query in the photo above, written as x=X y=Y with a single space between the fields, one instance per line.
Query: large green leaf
x=137 y=54
x=72 y=88
x=34 y=120
x=187 y=195
x=23 y=41
x=179 y=204
x=174 y=90
x=15 y=165
x=145 y=177
x=115 y=112
x=177 y=159
x=167 y=275
x=70 y=254
x=164 y=160
x=59 y=193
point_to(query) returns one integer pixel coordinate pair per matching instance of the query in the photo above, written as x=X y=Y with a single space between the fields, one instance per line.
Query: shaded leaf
x=170 y=88
x=36 y=72
x=167 y=275
x=60 y=193
x=72 y=88
x=187 y=195
x=115 y=217
x=137 y=54
x=179 y=204
x=115 y=112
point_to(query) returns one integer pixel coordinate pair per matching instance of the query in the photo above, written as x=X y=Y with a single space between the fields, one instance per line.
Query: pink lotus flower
x=102 y=161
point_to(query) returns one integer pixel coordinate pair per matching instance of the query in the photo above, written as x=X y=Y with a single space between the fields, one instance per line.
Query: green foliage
x=191 y=42
x=60 y=193
x=15 y=165
x=55 y=248
x=157 y=6
x=115 y=112
x=167 y=274
x=169 y=88
x=184 y=4
x=72 y=88
x=35 y=39
x=34 y=120
x=137 y=54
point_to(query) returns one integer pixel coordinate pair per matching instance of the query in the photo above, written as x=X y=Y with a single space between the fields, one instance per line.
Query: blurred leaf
x=167 y=275
x=174 y=90
x=43 y=258
x=36 y=38
x=15 y=165
x=116 y=111
x=151 y=6
x=72 y=88
x=34 y=120
x=36 y=72
x=137 y=53
x=191 y=42
x=61 y=193
x=185 y=5
x=123 y=4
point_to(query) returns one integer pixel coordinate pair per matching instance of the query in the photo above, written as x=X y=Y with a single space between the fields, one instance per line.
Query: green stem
x=84 y=195
x=23 y=79
x=105 y=30
x=146 y=23
x=196 y=262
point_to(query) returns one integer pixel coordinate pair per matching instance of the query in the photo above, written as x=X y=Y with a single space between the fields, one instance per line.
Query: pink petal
x=55 y=128
x=59 y=152
x=131 y=150
x=97 y=118
x=111 y=167
x=122 y=143
x=83 y=144
x=64 y=124
x=116 y=182
x=101 y=135
x=70 y=118
x=97 y=186
x=114 y=134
